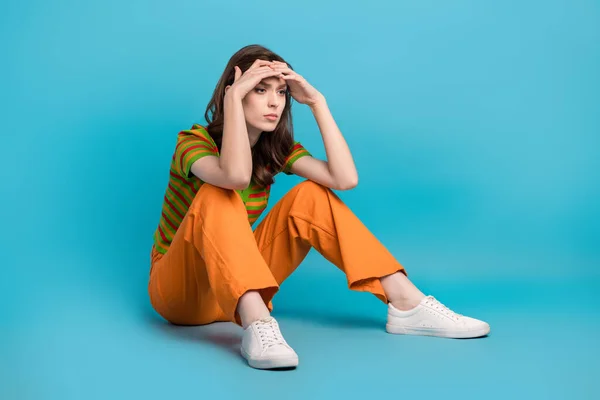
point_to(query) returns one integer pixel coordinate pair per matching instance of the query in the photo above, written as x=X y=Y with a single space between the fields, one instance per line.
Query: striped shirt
x=183 y=185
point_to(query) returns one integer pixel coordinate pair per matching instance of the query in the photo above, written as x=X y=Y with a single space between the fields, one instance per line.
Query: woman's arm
x=233 y=168
x=236 y=155
x=339 y=171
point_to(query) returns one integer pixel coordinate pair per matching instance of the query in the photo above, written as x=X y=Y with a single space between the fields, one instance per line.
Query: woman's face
x=264 y=104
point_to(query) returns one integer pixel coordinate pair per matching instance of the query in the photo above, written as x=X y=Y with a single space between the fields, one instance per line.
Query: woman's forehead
x=273 y=81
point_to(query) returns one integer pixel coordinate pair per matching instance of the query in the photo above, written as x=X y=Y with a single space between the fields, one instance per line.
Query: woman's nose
x=273 y=100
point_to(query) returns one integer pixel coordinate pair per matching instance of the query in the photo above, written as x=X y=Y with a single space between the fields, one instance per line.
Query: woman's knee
x=210 y=194
x=207 y=189
x=313 y=188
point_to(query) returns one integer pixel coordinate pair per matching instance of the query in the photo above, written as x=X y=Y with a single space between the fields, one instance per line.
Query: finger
x=260 y=70
x=258 y=77
x=293 y=77
x=259 y=74
x=254 y=67
x=284 y=69
x=266 y=74
x=260 y=63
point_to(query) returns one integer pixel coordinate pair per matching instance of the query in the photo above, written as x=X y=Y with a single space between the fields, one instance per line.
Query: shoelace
x=269 y=333
x=436 y=304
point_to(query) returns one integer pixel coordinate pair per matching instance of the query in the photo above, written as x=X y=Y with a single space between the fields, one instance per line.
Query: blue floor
x=86 y=339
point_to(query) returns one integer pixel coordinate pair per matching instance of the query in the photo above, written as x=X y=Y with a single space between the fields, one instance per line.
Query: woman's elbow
x=348 y=184
x=238 y=181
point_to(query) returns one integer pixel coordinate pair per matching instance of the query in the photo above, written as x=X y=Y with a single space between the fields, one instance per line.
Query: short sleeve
x=192 y=145
x=298 y=151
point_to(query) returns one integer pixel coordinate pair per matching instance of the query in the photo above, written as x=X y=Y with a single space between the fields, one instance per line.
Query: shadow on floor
x=331 y=319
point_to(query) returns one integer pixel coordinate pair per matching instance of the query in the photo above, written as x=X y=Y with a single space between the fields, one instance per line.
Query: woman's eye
x=261 y=90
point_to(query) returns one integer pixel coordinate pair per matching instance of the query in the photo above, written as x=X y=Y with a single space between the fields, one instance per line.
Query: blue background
x=475 y=127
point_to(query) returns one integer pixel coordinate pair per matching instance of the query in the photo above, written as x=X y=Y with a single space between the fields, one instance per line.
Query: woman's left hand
x=302 y=91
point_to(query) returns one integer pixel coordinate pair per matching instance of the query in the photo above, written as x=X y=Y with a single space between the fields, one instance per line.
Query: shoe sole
x=401 y=330
x=272 y=363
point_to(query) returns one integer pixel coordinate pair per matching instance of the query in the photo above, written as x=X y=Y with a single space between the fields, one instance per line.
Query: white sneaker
x=432 y=318
x=264 y=347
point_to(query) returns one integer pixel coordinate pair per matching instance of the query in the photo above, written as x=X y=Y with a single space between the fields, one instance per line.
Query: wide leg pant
x=215 y=257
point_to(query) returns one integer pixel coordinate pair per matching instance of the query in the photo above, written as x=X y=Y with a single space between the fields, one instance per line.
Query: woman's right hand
x=244 y=83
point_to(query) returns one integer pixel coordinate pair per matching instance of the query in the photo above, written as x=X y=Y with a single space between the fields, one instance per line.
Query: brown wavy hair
x=270 y=151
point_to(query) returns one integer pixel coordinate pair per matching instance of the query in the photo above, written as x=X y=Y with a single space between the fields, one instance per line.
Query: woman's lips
x=271 y=117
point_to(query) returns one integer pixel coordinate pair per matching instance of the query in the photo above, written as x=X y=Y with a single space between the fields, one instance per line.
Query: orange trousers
x=215 y=257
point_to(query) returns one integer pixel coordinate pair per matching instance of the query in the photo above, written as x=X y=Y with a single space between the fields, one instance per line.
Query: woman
x=207 y=264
